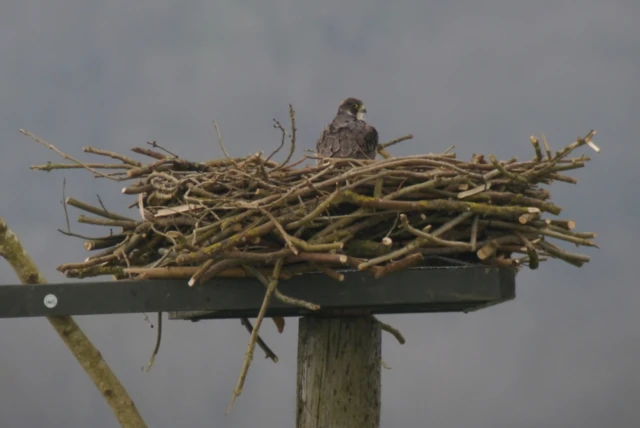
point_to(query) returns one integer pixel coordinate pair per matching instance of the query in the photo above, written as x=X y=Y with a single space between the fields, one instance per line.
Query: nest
x=237 y=217
x=254 y=216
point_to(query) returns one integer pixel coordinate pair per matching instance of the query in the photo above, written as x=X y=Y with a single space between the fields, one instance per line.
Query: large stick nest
x=236 y=217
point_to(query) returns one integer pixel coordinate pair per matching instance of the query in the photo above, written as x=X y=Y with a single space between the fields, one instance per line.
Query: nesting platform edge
x=415 y=290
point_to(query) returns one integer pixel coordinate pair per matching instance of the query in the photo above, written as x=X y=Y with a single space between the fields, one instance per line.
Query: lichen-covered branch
x=78 y=343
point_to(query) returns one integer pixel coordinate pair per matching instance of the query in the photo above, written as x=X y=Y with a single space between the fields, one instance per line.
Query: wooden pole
x=339 y=361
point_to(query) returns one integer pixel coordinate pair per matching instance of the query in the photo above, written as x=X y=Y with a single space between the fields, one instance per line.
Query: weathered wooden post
x=338 y=383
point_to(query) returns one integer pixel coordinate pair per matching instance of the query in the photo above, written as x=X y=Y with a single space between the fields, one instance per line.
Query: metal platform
x=416 y=290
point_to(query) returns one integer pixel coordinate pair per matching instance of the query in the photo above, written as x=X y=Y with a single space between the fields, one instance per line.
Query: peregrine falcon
x=348 y=135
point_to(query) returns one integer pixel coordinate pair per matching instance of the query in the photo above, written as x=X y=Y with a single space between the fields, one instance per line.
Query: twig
x=315 y=213
x=534 y=260
x=277 y=125
x=280 y=229
x=102 y=204
x=320 y=258
x=147 y=152
x=449 y=149
x=401 y=264
x=183 y=272
x=63 y=155
x=565 y=224
x=49 y=166
x=391 y=330
x=106 y=242
x=395 y=141
x=284 y=299
x=506 y=173
x=292 y=117
x=415 y=244
x=474 y=232
x=127 y=224
x=155 y=145
x=437 y=205
x=91 y=238
x=273 y=283
x=214 y=269
x=221 y=143
x=157 y=347
x=64 y=205
x=408 y=249
x=543 y=231
x=431 y=238
x=330 y=272
x=95 y=210
x=266 y=257
x=125 y=159
x=487 y=250
x=383 y=152
x=267 y=351
x=451 y=224
x=536 y=147
x=202 y=269
x=292 y=137
x=546 y=146
x=575 y=259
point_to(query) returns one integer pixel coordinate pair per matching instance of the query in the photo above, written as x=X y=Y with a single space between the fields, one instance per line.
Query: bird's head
x=352 y=107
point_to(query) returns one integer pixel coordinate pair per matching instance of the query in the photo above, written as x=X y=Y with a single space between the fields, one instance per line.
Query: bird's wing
x=325 y=142
x=346 y=137
x=369 y=140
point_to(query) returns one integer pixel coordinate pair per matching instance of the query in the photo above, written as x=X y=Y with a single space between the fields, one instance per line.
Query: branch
x=254 y=333
x=267 y=351
x=124 y=159
x=394 y=141
x=64 y=155
x=78 y=343
x=157 y=347
x=221 y=143
x=95 y=210
x=49 y=166
x=391 y=330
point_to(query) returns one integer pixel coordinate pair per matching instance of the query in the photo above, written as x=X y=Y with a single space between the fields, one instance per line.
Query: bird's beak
x=361 y=112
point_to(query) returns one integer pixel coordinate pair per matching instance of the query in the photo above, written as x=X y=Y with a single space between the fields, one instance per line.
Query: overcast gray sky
x=481 y=75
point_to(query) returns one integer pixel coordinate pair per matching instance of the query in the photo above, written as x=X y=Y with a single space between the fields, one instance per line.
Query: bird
x=348 y=135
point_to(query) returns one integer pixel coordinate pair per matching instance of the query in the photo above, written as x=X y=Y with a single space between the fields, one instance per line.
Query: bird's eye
x=356 y=106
